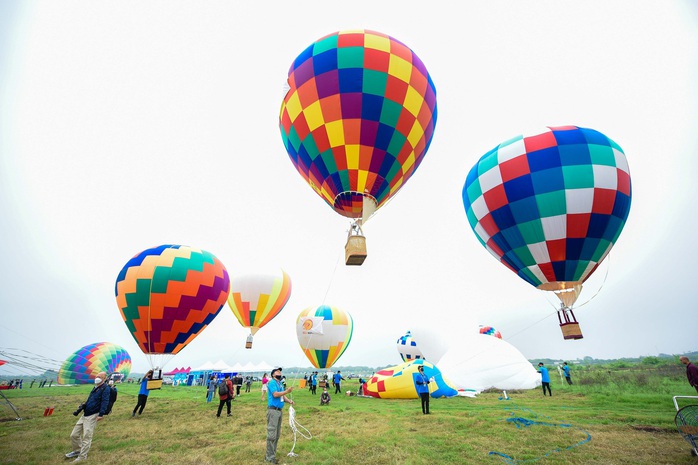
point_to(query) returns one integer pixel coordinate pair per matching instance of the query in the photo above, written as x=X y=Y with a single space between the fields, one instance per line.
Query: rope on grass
x=296 y=428
x=524 y=422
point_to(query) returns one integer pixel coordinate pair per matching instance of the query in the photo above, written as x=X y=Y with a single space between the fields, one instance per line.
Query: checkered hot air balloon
x=490 y=331
x=324 y=333
x=83 y=365
x=550 y=206
x=358 y=119
x=257 y=298
x=407 y=348
x=167 y=295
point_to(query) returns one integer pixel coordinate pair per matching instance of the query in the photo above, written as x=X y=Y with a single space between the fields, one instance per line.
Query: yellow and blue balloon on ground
x=398 y=382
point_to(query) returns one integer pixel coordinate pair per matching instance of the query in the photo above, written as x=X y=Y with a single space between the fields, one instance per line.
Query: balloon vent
x=355 y=250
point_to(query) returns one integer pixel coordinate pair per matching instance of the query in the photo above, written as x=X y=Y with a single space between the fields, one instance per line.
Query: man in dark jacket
x=691 y=372
x=93 y=410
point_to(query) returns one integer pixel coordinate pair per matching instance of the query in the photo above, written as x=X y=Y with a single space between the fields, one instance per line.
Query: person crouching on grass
x=92 y=411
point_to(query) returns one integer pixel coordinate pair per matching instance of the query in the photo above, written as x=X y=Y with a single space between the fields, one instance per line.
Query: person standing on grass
x=143 y=393
x=93 y=411
x=313 y=383
x=566 y=369
x=691 y=371
x=337 y=381
x=545 y=378
x=211 y=389
x=275 y=405
x=265 y=380
x=422 y=383
x=226 y=394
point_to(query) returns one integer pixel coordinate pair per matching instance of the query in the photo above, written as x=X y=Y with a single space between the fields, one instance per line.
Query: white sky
x=133 y=124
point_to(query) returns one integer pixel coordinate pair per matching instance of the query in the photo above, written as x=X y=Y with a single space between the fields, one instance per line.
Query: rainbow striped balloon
x=324 y=334
x=257 y=298
x=358 y=118
x=82 y=366
x=168 y=294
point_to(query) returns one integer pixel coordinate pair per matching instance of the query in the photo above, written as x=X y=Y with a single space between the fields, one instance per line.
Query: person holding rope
x=275 y=405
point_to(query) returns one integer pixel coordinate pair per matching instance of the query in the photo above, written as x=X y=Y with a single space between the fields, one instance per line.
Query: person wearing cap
x=423 y=388
x=275 y=405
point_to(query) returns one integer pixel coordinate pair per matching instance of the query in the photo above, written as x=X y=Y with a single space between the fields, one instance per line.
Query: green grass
x=630 y=422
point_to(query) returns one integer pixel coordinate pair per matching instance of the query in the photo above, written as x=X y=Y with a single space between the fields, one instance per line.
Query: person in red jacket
x=691 y=372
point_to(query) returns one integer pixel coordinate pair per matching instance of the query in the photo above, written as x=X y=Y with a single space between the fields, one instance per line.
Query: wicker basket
x=571 y=331
x=154 y=384
x=355 y=250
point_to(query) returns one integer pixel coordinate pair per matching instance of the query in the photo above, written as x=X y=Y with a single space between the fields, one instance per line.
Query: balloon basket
x=248 y=342
x=571 y=331
x=355 y=250
x=154 y=384
x=568 y=323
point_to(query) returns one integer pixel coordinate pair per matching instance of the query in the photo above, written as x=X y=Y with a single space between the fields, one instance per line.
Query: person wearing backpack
x=226 y=395
x=112 y=396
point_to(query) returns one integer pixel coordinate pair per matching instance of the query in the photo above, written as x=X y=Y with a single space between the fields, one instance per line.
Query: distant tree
x=652 y=361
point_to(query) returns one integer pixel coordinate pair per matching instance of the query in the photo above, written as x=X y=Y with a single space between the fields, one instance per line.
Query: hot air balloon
x=550 y=206
x=357 y=121
x=407 y=348
x=490 y=331
x=324 y=334
x=399 y=382
x=82 y=366
x=257 y=298
x=167 y=295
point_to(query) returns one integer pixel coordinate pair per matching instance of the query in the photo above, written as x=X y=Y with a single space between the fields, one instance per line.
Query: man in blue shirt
x=422 y=383
x=337 y=380
x=277 y=397
x=545 y=378
x=566 y=369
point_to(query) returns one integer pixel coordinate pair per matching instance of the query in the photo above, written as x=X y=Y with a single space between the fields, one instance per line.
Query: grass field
x=628 y=416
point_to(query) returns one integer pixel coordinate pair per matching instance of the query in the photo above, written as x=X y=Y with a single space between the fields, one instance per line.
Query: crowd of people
x=274 y=391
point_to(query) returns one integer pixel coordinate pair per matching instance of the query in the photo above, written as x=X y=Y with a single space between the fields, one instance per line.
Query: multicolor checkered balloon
x=358 y=118
x=550 y=205
x=168 y=294
x=490 y=331
x=83 y=365
x=407 y=348
x=324 y=333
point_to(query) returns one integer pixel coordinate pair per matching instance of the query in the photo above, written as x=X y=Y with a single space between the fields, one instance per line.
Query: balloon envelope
x=407 y=348
x=550 y=205
x=168 y=294
x=83 y=365
x=399 y=382
x=478 y=362
x=358 y=118
x=490 y=331
x=257 y=298
x=324 y=334
x=432 y=343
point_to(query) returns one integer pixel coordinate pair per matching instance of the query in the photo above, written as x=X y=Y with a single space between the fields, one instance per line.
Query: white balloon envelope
x=480 y=362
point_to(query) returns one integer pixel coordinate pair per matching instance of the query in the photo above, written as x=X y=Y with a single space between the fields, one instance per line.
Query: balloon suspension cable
x=605 y=276
x=329 y=284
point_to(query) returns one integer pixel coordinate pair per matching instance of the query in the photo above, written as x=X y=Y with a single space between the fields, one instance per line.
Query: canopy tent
x=222 y=367
x=178 y=371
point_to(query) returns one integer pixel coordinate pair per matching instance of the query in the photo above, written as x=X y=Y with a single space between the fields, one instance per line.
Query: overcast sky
x=133 y=124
